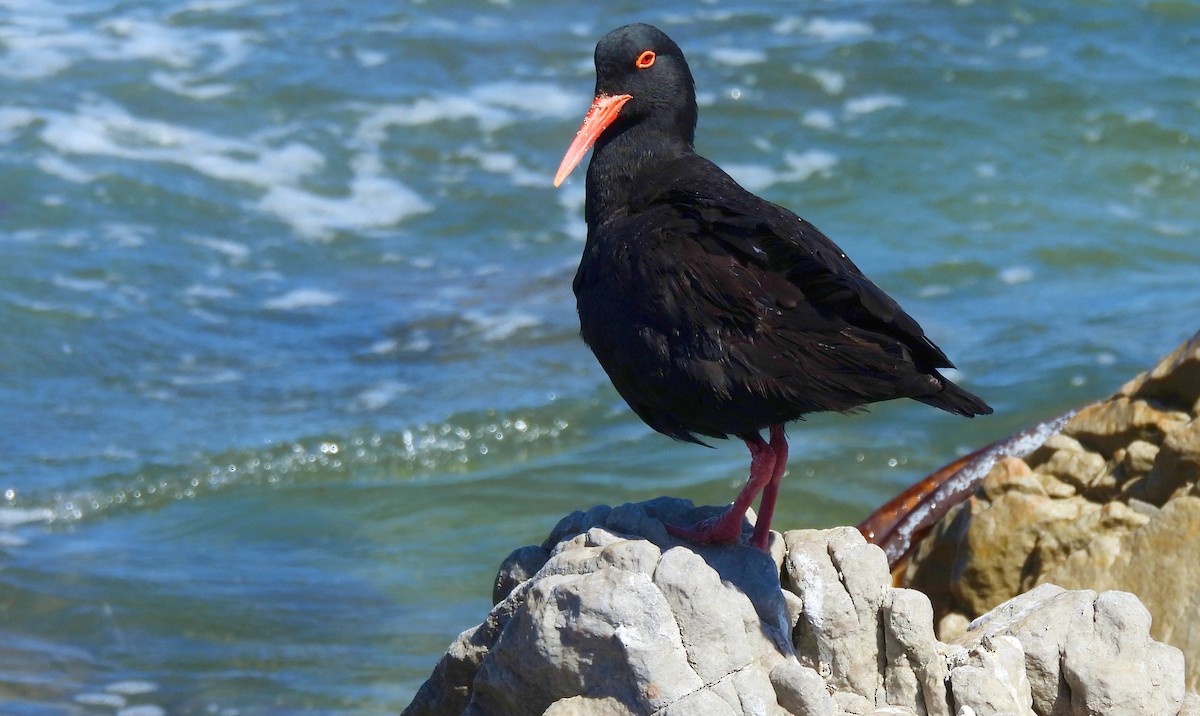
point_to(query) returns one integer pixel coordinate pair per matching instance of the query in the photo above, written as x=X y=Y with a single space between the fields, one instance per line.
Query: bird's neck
x=619 y=158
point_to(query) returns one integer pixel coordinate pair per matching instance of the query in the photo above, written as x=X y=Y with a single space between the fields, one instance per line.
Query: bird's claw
x=722 y=529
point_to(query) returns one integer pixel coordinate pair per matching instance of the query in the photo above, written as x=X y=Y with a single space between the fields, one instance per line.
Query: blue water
x=288 y=359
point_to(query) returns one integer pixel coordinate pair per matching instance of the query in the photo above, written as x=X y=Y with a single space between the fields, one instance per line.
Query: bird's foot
x=725 y=528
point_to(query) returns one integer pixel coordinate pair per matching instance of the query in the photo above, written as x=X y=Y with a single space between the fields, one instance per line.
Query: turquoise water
x=289 y=358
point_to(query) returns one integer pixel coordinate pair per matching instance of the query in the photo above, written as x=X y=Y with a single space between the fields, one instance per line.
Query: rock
x=518 y=567
x=1087 y=653
x=615 y=624
x=1110 y=644
x=838 y=632
x=1191 y=705
x=1177 y=465
x=1175 y=381
x=1160 y=558
x=1108 y=504
x=989 y=678
x=1139 y=458
x=588 y=706
x=915 y=672
x=1042 y=617
x=801 y=690
x=1115 y=423
x=990 y=562
x=1111 y=520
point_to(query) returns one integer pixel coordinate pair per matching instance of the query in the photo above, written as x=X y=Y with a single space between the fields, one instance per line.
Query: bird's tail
x=954 y=399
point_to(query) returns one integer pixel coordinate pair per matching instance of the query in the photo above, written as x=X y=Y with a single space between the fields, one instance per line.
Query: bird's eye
x=645 y=59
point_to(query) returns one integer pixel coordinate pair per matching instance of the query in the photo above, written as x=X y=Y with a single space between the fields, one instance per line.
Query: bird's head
x=641 y=76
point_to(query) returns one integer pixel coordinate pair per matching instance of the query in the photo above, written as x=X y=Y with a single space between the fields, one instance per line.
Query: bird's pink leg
x=726 y=528
x=766 y=508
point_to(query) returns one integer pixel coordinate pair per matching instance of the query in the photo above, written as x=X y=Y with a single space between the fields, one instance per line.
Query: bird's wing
x=760 y=234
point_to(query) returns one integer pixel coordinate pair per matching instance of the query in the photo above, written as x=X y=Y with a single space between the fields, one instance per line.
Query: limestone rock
x=518 y=567
x=801 y=690
x=635 y=623
x=838 y=631
x=989 y=678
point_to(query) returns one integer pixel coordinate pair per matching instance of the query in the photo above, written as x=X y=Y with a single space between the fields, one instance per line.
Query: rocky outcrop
x=611 y=616
x=1111 y=503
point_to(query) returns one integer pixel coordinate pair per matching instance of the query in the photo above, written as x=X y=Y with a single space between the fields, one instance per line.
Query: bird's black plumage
x=713 y=311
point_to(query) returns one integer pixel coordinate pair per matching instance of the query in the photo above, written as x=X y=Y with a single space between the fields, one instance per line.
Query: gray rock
x=801 y=690
x=989 y=678
x=588 y=706
x=1087 y=653
x=915 y=672
x=621 y=619
x=842 y=581
x=518 y=567
x=1113 y=666
x=601 y=634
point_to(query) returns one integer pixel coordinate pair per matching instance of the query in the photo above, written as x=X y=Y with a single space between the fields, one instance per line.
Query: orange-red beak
x=604 y=110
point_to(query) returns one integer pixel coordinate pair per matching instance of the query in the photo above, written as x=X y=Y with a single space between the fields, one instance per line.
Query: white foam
x=12 y=119
x=132 y=687
x=738 y=56
x=198 y=292
x=430 y=110
x=233 y=249
x=1121 y=211
x=227 y=375
x=373 y=202
x=44 y=39
x=14 y=516
x=503 y=326
x=492 y=106
x=142 y=710
x=872 y=103
x=379 y=396
x=55 y=165
x=836 y=30
x=539 y=99
x=387 y=345
x=113 y=701
x=106 y=129
x=301 y=298
x=831 y=82
x=818 y=119
x=507 y=163
x=178 y=84
x=1016 y=274
x=370 y=58
x=804 y=165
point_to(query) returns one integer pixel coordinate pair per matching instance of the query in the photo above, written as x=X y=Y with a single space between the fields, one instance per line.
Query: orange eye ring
x=645 y=60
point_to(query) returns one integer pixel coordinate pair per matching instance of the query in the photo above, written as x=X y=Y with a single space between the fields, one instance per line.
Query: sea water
x=288 y=353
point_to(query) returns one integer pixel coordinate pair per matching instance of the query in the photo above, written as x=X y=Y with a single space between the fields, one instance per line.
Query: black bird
x=713 y=311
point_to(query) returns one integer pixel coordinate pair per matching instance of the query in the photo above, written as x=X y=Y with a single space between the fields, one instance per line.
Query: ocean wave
x=372 y=199
x=460 y=445
x=302 y=298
